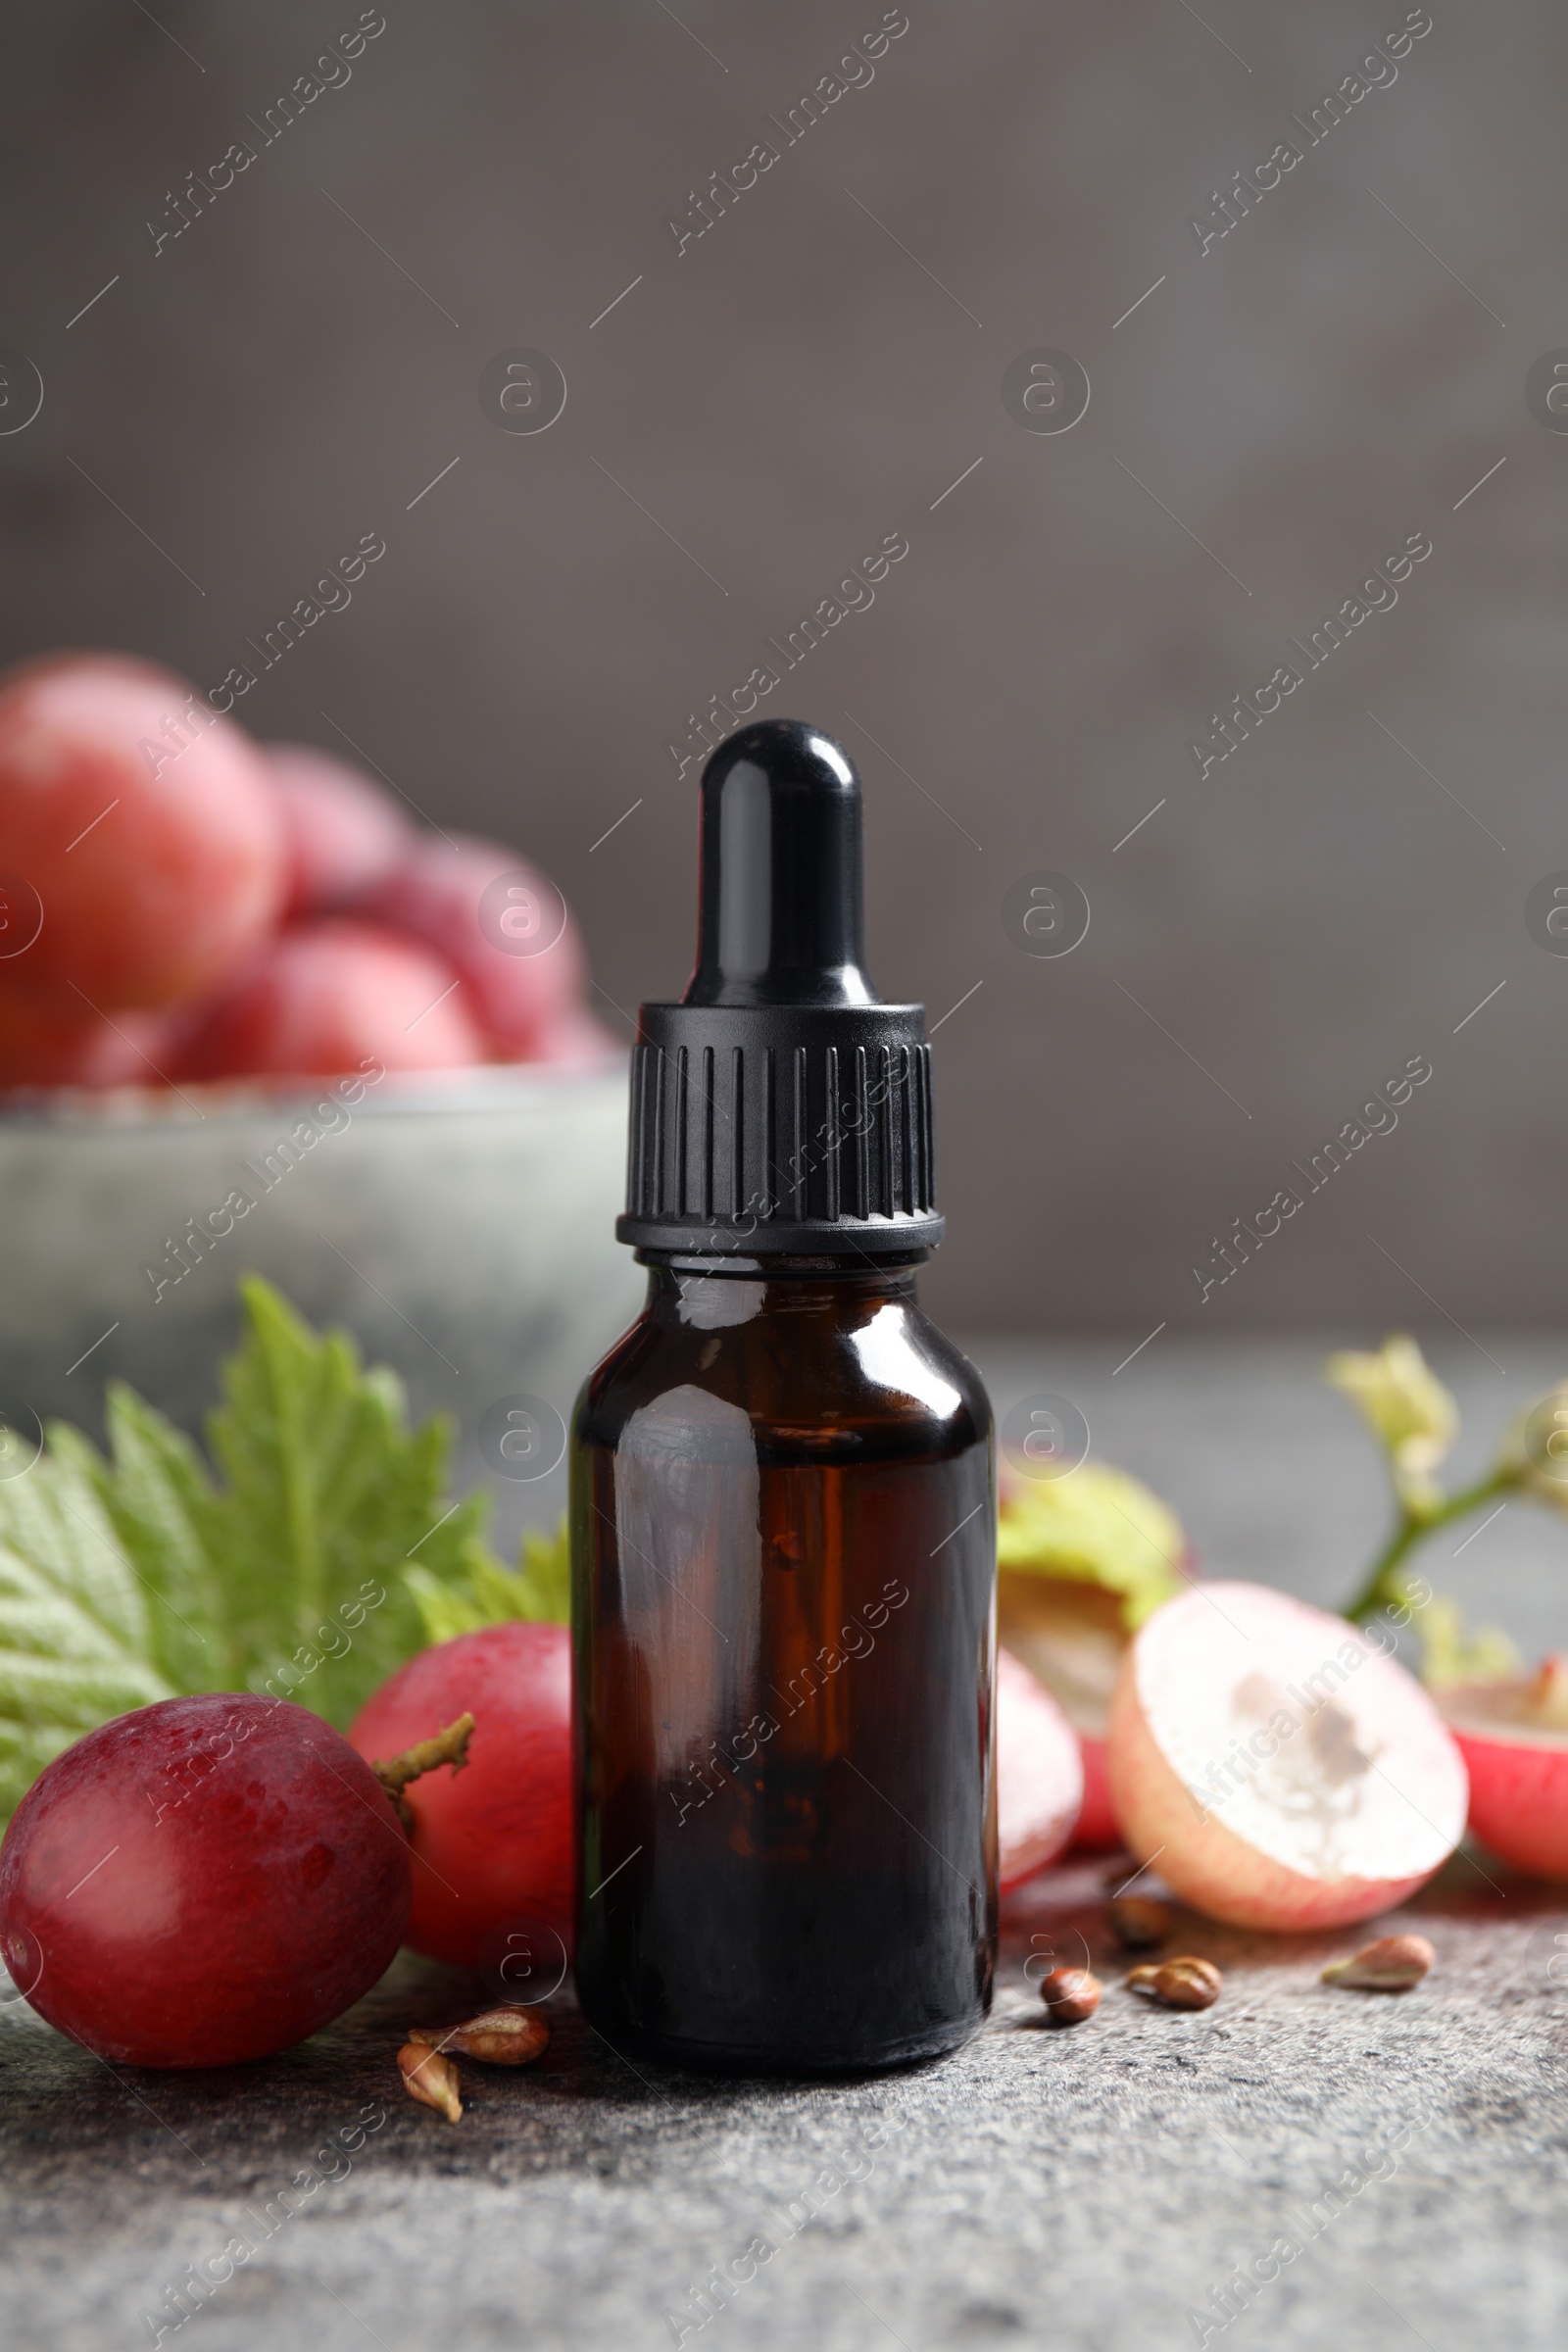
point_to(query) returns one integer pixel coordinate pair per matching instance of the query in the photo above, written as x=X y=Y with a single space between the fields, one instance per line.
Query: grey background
x=1270 y=944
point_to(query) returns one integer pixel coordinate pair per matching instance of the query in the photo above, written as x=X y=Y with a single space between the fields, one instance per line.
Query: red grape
x=204 y=1881
x=1039 y=1778
x=334 y=995
x=1513 y=1736
x=493 y=1842
x=1096 y=1831
x=143 y=822
x=342 y=833
x=41 y=1045
x=576 y=1039
x=444 y=895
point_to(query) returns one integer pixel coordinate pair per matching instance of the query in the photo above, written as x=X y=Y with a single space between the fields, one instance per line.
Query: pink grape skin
x=154 y=886
x=1517 y=1757
x=1518 y=1800
x=342 y=833
x=335 y=996
x=577 y=1039
x=1096 y=1831
x=41 y=1045
x=434 y=893
x=1040 y=1780
x=201 y=1882
x=493 y=1842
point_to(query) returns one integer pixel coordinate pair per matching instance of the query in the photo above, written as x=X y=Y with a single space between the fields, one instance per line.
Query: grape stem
x=450 y=1746
x=1385 y=1585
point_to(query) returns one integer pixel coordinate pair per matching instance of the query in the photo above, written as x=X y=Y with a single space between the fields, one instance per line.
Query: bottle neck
x=709 y=1293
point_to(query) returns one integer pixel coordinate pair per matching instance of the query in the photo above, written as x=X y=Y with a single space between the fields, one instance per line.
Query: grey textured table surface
x=1406 y=2159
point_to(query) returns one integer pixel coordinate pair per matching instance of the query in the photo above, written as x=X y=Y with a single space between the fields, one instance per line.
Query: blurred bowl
x=460 y=1225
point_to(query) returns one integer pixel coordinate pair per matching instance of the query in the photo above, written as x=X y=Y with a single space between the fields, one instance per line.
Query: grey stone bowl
x=460 y=1225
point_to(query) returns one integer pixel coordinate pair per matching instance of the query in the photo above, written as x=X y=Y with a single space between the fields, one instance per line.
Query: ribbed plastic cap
x=780 y=1107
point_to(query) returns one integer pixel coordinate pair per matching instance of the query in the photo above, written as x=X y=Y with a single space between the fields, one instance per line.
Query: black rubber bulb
x=781 y=900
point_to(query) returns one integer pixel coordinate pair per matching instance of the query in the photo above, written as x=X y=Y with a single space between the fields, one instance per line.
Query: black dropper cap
x=780 y=1108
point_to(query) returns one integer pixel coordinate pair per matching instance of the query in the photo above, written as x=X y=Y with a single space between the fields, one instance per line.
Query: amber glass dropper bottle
x=782 y=1500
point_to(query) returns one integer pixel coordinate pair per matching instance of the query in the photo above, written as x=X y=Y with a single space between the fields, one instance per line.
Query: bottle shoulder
x=859 y=1382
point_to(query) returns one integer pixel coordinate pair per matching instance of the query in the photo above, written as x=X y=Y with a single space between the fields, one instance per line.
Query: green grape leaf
x=78 y=1642
x=1097 y=1526
x=328 y=1499
x=539 y=1589
x=157 y=1496
x=1452 y=1651
x=140 y=1574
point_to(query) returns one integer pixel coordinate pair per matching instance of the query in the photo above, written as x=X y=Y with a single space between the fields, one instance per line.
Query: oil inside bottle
x=784 y=1660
